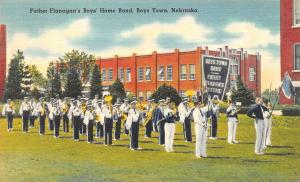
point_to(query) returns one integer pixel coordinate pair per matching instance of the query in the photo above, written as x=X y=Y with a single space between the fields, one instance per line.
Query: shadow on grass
x=180 y=145
x=283 y=146
x=257 y=161
x=215 y=147
x=219 y=157
x=222 y=138
x=149 y=150
x=120 y=145
x=145 y=141
x=184 y=152
x=280 y=154
x=246 y=143
x=64 y=137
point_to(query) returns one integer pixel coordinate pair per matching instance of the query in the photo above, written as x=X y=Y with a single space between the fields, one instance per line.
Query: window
x=297 y=57
x=141 y=96
x=297 y=13
x=128 y=75
x=182 y=72
x=161 y=73
x=148 y=74
x=140 y=74
x=192 y=72
x=121 y=74
x=110 y=74
x=169 y=73
x=104 y=75
x=148 y=94
x=234 y=67
x=251 y=74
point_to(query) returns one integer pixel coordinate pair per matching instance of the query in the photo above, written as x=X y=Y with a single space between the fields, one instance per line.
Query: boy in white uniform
x=231 y=113
x=200 y=119
x=169 y=127
x=8 y=111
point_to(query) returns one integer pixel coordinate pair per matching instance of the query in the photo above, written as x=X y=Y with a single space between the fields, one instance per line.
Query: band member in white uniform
x=89 y=122
x=159 y=121
x=200 y=119
x=25 y=113
x=76 y=114
x=268 y=125
x=33 y=113
x=65 y=107
x=108 y=123
x=95 y=101
x=184 y=114
x=50 y=114
x=42 y=107
x=132 y=124
x=56 y=117
x=99 y=119
x=149 y=111
x=117 y=120
x=125 y=109
x=9 y=111
x=232 y=116
x=169 y=127
x=256 y=113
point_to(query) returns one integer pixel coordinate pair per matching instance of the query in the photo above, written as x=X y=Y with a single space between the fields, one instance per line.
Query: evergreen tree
x=242 y=94
x=26 y=81
x=13 y=89
x=73 y=86
x=165 y=91
x=117 y=90
x=54 y=81
x=96 y=87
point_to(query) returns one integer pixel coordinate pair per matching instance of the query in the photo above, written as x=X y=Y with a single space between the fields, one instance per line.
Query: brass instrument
x=12 y=105
x=65 y=108
x=149 y=114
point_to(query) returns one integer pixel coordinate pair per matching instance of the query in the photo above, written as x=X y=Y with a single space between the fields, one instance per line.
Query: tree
x=38 y=79
x=165 y=91
x=54 y=81
x=117 y=90
x=81 y=61
x=96 y=87
x=26 y=81
x=73 y=85
x=242 y=94
x=13 y=89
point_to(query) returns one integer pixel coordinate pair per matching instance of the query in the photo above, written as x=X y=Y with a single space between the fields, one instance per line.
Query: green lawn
x=31 y=157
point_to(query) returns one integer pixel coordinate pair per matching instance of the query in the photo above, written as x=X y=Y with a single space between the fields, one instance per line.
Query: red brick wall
x=2 y=58
x=288 y=37
x=175 y=59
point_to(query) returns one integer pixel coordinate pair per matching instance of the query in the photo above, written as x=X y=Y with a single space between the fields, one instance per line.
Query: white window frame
x=110 y=74
x=169 y=72
x=251 y=74
x=234 y=63
x=148 y=76
x=296 y=69
x=295 y=24
x=140 y=74
x=192 y=76
x=103 y=75
x=161 y=75
x=183 y=76
x=121 y=74
x=128 y=74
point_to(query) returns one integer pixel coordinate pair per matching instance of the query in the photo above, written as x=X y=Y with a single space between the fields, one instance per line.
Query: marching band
x=84 y=114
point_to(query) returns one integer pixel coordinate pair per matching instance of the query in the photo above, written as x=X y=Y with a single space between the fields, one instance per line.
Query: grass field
x=31 y=157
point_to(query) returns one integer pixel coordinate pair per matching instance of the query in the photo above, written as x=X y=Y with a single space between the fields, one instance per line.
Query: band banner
x=215 y=75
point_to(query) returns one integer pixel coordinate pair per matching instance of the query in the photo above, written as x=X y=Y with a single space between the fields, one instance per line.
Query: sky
x=44 y=37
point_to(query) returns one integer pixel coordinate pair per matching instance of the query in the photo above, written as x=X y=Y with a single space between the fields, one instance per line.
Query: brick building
x=290 y=45
x=2 y=58
x=143 y=74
